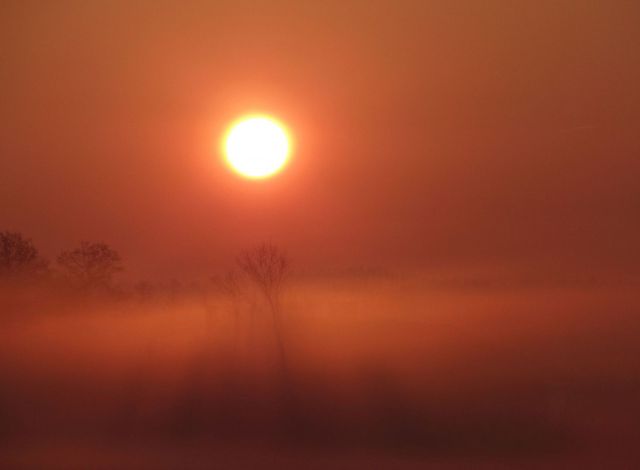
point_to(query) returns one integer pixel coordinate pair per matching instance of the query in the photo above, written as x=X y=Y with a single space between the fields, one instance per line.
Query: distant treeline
x=93 y=266
x=87 y=266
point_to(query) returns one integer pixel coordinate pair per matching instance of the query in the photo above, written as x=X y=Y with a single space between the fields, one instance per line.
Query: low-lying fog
x=366 y=372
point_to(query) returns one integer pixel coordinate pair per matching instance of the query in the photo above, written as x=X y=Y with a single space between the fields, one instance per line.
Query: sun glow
x=257 y=146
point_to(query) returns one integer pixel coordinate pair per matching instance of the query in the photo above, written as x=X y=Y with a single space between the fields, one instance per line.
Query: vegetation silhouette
x=268 y=267
x=19 y=258
x=91 y=265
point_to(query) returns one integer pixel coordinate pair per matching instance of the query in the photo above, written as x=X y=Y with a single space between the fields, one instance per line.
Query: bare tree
x=267 y=266
x=91 y=264
x=19 y=258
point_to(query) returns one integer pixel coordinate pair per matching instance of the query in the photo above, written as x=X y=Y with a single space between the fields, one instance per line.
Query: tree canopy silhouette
x=92 y=264
x=19 y=258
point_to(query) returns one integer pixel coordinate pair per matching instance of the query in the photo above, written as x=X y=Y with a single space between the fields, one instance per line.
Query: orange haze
x=475 y=135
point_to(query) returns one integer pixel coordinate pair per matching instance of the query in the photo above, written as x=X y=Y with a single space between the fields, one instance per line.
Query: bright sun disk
x=257 y=146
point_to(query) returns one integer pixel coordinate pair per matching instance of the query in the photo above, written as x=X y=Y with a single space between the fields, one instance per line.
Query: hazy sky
x=444 y=133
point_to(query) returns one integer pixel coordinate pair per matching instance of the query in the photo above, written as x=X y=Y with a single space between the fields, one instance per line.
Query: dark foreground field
x=377 y=373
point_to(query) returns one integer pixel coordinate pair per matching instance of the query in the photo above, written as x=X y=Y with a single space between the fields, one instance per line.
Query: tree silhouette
x=19 y=258
x=267 y=266
x=91 y=265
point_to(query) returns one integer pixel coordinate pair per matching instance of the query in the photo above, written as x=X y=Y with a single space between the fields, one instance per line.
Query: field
x=365 y=372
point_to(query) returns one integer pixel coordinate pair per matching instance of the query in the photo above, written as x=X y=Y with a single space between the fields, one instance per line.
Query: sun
x=257 y=146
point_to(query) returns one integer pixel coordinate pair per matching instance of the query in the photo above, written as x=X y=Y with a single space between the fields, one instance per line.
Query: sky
x=453 y=135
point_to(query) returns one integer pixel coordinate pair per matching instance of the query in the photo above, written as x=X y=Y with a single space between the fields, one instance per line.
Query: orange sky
x=441 y=133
